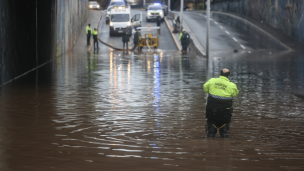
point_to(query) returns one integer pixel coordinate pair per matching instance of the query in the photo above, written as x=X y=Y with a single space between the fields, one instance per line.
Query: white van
x=120 y=19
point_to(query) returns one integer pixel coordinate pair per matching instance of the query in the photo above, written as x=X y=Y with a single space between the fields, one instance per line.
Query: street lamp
x=181 y=14
x=208 y=29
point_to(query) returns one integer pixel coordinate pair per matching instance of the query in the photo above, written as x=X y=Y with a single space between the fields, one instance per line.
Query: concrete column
x=181 y=13
x=208 y=29
x=169 y=5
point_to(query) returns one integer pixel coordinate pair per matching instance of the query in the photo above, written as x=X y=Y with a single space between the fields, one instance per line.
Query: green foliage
x=200 y=6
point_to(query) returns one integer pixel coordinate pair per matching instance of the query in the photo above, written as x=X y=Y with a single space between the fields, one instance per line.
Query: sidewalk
x=93 y=19
x=175 y=36
x=194 y=45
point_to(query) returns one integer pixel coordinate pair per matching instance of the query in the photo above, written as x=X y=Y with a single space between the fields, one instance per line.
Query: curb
x=97 y=26
x=175 y=41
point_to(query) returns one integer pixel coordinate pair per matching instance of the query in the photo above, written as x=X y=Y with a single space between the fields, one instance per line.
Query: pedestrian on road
x=125 y=38
x=184 y=37
x=95 y=34
x=219 y=103
x=137 y=37
x=158 y=21
x=88 y=31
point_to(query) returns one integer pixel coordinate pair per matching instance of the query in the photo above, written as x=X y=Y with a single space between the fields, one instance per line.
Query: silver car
x=94 y=5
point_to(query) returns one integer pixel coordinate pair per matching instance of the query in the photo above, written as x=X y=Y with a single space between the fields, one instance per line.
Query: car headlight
x=97 y=6
x=129 y=23
x=149 y=13
x=91 y=6
x=161 y=13
x=111 y=24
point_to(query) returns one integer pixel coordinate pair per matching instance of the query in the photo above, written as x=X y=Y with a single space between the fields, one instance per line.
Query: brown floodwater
x=118 y=111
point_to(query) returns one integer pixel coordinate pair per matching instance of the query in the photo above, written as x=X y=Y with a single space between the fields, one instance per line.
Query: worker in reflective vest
x=137 y=37
x=88 y=32
x=95 y=34
x=219 y=103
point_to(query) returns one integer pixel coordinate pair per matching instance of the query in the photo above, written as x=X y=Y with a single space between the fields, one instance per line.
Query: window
x=155 y=8
x=113 y=3
x=137 y=17
x=120 y=17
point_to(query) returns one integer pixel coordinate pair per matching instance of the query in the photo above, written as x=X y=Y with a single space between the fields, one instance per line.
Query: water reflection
x=149 y=110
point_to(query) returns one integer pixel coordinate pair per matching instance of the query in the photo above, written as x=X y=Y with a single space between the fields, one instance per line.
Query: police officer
x=185 y=40
x=158 y=21
x=219 y=103
x=95 y=33
x=125 y=38
x=88 y=31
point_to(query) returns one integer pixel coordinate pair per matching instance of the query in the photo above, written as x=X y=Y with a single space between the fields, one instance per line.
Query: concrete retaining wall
x=17 y=37
x=33 y=32
x=71 y=19
x=286 y=15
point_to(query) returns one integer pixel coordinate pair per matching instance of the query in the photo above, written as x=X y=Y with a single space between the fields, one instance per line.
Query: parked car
x=153 y=11
x=94 y=5
x=108 y=11
x=117 y=3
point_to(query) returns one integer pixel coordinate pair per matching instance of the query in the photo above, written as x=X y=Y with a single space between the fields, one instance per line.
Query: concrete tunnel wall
x=71 y=19
x=33 y=32
x=286 y=15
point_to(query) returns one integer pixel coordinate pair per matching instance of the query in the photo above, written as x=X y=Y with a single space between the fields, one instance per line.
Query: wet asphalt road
x=165 y=38
x=229 y=33
x=145 y=111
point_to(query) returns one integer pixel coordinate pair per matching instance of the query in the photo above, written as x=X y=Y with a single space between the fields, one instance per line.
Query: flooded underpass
x=146 y=111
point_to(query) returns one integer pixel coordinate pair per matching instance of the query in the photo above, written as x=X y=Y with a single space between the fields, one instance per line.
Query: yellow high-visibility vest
x=88 y=29
x=180 y=36
x=221 y=87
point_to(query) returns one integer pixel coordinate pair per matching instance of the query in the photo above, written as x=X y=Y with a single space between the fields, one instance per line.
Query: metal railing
x=220 y=1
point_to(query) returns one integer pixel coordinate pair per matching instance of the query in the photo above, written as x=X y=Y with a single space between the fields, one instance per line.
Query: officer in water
x=95 y=37
x=184 y=37
x=88 y=32
x=219 y=103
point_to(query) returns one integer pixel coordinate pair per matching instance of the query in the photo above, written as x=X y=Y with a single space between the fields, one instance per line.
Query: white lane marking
x=215 y=22
x=227 y=32
x=235 y=39
x=242 y=46
x=221 y=27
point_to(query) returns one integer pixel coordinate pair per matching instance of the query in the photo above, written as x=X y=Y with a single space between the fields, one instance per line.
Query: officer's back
x=219 y=105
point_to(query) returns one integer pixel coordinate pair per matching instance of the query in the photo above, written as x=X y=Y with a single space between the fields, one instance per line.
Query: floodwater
x=118 y=111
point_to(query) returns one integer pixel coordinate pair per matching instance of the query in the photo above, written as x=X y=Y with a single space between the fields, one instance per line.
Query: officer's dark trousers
x=88 y=38
x=125 y=44
x=95 y=42
x=218 y=120
x=184 y=47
